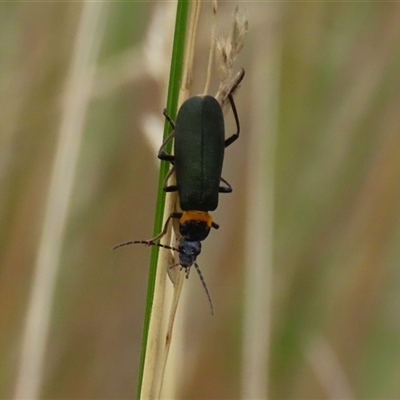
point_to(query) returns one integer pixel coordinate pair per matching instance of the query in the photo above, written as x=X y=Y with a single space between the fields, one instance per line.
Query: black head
x=188 y=252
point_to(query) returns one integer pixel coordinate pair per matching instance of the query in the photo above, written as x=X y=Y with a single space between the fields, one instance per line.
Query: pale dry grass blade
x=78 y=86
x=328 y=369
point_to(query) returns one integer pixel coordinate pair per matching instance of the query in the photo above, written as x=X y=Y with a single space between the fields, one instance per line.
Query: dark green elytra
x=199 y=153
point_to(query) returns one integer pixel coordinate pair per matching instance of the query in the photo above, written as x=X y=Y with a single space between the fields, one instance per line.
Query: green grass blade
x=172 y=104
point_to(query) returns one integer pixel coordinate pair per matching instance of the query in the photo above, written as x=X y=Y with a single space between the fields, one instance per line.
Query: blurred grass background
x=335 y=326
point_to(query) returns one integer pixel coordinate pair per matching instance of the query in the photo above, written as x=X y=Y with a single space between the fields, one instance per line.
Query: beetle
x=199 y=147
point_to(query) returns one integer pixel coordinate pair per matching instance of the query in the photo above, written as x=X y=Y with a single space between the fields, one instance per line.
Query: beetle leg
x=169 y=119
x=162 y=154
x=231 y=139
x=237 y=80
x=225 y=90
x=163 y=232
x=165 y=228
x=172 y=188
x=169 y=189
x=225 y=189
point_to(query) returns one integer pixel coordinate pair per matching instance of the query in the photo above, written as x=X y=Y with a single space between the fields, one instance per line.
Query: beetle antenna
x=205 y=287
x=148 y=243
